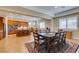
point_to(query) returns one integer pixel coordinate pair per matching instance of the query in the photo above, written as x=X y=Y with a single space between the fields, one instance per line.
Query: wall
x=55 y=23
x=47 y=23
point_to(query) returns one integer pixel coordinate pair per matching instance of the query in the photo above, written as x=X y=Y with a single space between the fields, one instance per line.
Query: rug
x=70 y=47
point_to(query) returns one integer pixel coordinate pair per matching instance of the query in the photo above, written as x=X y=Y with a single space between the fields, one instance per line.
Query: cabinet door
x=1 y=27
x=69 y=35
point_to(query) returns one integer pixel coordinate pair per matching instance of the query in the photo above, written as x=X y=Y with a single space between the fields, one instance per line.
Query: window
x=72 y=23
x=42 y=24
x=68 y=22
x=32 y=23
x=62 y=23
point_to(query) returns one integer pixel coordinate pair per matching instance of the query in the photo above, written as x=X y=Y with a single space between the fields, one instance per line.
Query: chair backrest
x=57 y=37
x=37 y=45
x=36 y=41
x=65 y=34
x=36 y=38
x=62 y=36
x=60 y=30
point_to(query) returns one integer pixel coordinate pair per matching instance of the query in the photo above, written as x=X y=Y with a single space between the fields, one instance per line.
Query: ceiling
x=50 y=10
x=22 y=11
x=44 y=12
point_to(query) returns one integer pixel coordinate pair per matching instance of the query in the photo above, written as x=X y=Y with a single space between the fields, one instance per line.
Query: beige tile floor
x=15 y=44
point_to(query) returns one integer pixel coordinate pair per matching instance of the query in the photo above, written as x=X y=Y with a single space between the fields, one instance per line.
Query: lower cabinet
x=69 y=35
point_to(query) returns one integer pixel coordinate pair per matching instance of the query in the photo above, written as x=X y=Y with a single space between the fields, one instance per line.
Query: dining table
x=48 y=36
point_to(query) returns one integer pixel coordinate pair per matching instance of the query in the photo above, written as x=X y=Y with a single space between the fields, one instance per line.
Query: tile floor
x=15 y=44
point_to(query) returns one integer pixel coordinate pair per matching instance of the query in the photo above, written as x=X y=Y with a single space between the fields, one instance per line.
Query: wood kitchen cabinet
x=21 y=33
x=13 y=24
x=1 y=28
x=69 y=35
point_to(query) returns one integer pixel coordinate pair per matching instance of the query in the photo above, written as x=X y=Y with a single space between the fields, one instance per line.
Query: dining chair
x=54 y=45
x=39 y=43
x=64 y=37
x=62 y=40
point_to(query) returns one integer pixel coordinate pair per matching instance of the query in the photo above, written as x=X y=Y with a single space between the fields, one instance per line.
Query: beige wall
x=48 y=23
x=52 y=24
x=55 y=24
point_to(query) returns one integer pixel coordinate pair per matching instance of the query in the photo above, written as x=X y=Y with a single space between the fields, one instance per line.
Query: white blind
x=42 y=24
x=32 y=23
x=69 y=22
x=72 y=22
x=62 y=23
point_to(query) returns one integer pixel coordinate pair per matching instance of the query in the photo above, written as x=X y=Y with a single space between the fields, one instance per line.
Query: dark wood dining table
x=47 y=36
